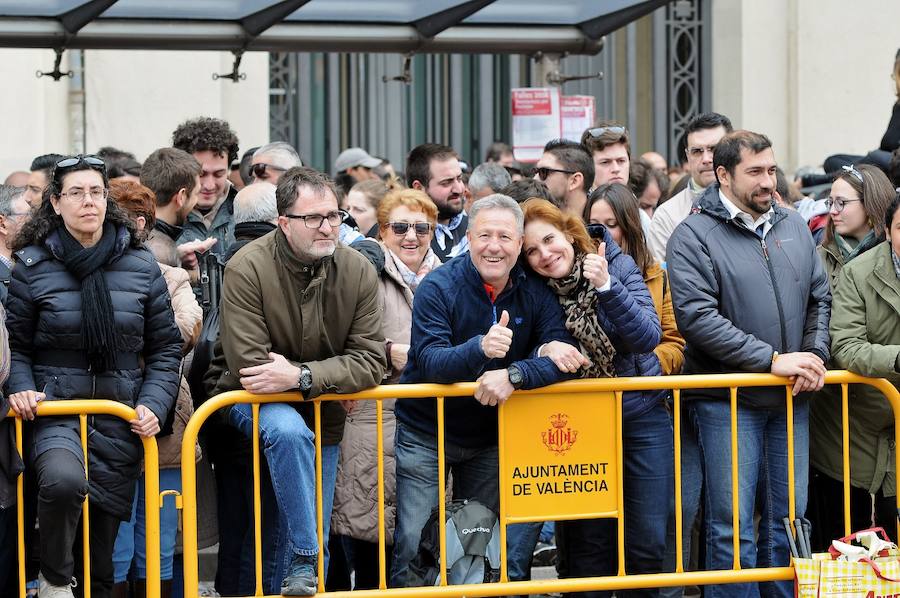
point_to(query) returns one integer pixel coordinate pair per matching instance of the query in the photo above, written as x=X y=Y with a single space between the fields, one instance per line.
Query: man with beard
x=174 y=177
x=300 y=312
x=750 y=295
x=435 y=169
x=703 y=132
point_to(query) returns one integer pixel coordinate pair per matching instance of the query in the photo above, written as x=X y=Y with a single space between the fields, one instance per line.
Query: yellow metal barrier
x=84 y=408
x=578 y=388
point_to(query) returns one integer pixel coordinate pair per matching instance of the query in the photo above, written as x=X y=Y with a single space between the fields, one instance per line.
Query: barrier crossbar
x=617 y=386
x=83 y=408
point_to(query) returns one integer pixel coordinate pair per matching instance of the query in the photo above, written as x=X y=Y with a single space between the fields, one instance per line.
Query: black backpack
x=473 y=546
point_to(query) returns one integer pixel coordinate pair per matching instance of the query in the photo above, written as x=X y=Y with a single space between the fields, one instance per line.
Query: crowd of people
x=513 y=276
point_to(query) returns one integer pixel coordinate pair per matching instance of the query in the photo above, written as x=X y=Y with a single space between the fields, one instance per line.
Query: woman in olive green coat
x=865 y=339
x=858 y=200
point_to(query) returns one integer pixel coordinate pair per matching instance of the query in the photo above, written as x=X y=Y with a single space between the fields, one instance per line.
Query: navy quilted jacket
x=44 y=325
x=627 y=314
x=451 y=313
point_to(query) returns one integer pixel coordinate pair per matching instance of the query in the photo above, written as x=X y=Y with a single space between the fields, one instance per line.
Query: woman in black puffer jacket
x=89 y=318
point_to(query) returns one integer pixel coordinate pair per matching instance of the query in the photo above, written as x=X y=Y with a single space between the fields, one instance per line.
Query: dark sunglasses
x=596 y=231
x=543 y=172
x=259 y=170
x=598 y=131
x=92 y=161
x=400 y=228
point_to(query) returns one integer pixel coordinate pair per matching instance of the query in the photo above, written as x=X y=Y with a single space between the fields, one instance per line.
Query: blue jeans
x=589 y=545
x=521 y=538
x=475 y=475
x=130 y=550
x=763 y=485
x=691 y=486
x=290 y=451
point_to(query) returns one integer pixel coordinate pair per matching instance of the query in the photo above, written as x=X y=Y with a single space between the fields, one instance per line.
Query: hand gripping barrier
x=84 y=408
x=513 y=415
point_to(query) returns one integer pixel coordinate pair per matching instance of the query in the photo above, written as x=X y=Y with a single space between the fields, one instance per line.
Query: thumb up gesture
x=596 y=268
x=495 y=344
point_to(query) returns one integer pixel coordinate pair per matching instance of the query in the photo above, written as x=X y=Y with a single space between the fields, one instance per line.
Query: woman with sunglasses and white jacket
x=406 y=221
x=89 y=318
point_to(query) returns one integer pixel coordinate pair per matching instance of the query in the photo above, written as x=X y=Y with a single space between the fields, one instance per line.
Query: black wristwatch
x=305 y=381
x=515 y=376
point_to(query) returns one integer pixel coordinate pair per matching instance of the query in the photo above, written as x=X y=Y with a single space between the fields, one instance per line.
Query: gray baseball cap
x=353 y=157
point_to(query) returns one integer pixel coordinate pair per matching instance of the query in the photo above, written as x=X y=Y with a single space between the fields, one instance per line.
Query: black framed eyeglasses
x=614 y=130
x=543 y=172
x=596 y=231
x=400 y=228
x=698 y=151
x=315 y=220
x=78 y=195
x=838 y=204
x=259 y=170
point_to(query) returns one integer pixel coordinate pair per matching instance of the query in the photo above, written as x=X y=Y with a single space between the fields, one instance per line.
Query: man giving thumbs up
x=479 y=317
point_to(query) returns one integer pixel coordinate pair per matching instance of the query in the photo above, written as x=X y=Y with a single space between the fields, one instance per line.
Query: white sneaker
x=50 y=591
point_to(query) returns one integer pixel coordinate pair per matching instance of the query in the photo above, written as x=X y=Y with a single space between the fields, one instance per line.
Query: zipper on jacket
x=765 y=251
x=93 y=381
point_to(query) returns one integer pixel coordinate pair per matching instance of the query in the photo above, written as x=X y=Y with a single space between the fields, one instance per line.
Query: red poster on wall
x=536 y=120
x=578 y=114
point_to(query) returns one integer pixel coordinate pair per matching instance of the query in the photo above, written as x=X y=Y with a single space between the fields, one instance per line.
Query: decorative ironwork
x=283 y=85
x=684 y=23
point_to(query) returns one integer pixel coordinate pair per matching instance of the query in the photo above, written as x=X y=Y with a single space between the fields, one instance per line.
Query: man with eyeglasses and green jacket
x=300 y=312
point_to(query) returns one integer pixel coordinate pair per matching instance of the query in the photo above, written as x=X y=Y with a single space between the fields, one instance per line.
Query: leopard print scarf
x=579 y=302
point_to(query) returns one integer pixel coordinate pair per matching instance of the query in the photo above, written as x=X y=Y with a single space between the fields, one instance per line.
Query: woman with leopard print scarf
x=609 y=310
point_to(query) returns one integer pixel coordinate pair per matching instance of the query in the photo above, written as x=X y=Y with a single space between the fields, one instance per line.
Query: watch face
x=515 y=376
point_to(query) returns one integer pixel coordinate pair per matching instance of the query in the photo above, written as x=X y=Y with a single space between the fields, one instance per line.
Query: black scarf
x=98 y=325
x=250 y=231
x=170 y=230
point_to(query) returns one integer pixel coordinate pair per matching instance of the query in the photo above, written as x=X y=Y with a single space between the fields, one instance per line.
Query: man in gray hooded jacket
x=750 y=295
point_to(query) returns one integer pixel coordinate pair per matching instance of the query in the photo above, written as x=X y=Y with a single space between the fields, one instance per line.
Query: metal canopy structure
x=421 y=26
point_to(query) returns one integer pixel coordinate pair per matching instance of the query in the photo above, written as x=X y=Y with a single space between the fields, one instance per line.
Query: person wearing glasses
x=273 y=159
x=14 y=212
x=610 y=312
x=406 y=219
x=89 y=318
x=859 y=197
x=703 y=132
x=865 y=339
x=300 y=311
x=568 y=171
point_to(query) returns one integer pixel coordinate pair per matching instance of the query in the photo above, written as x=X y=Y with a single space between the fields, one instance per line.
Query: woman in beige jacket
x=129 y=552
x=406 y=223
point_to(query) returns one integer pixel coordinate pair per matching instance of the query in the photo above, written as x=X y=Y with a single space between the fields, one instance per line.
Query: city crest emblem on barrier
x=559 y=437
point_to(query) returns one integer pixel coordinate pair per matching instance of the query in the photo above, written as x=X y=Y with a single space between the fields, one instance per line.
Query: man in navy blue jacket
x=480 y=317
